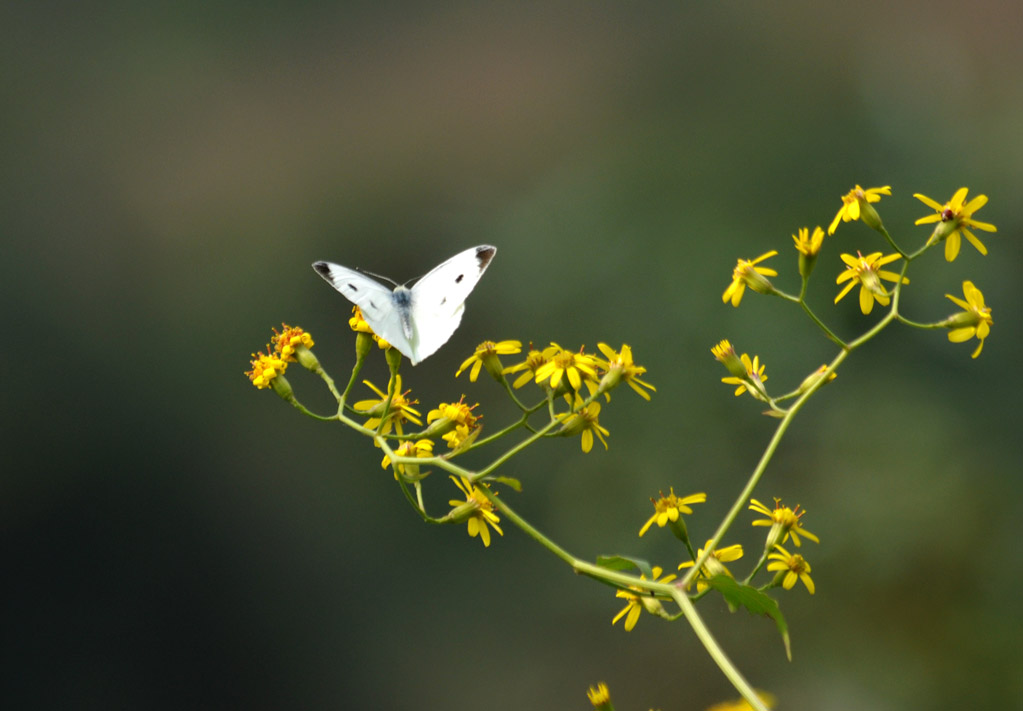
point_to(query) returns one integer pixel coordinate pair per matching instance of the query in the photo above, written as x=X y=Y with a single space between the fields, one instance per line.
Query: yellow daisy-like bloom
x=975 y=320
x=487 y=354
x=477 y=509
x=753 y=381
x=446 y=416
x=562 y=364
x=528 y=367
x=867 y=272
x=599 y=697
x=637 y=603
x=856 y=205
x=808 y=244
x=954 y=217
x=289 y=340
x=422 y=448
x=266 y=367
x=767 y=699
x=584 y=422
x=461 y=437
x=784 y=522
x=619 y=367
x=400 y=411
x=796 y=565
x=747 y=273
x=714 y=564
x=670 y=507
x=725 y=354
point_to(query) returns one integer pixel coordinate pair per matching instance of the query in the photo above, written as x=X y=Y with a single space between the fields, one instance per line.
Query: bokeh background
x=172 y=538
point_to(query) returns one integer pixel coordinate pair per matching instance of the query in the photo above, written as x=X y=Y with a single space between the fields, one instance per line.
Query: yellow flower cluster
x=290 y=345
x=953 y=220
x=785 y=524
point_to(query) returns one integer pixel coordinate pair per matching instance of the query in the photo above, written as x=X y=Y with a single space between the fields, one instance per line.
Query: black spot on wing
x=458 y=279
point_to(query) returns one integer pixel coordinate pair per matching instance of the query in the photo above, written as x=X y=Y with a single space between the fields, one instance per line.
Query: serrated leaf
x=622 y=562
x=508 y=481
x=738 y=595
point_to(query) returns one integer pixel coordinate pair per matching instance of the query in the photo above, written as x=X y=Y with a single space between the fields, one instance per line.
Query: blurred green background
x=173 y=538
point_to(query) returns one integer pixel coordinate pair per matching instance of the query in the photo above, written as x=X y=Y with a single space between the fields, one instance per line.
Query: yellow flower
x=807 y=244
x=486 y=354
x=289 y=340
x=725 y=354
x=534 y=359
x=975 y=319
x=585 y=422
x=599 y=697
x=953 y=219
x=753 y=381
x=476 y=508
x=670 y=508
x=266 y=367
x=714 y=564
x=563 y=364
x=422 y=448
x=784 y=522
x=637 y=603
x=619 y=367
x=746 y=273
x=867 y=272
x=400 y=411
x=808 y=247
x=358 y=324
x=856 y=205
x=461 y=437
x=447 y=416
x=795 y=566
x=766 y=699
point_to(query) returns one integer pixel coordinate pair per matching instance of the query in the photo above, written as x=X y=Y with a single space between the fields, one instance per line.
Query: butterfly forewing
x=438 y=299
x=374 y=299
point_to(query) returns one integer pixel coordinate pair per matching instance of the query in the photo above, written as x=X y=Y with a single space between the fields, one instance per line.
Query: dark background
x=172 y=538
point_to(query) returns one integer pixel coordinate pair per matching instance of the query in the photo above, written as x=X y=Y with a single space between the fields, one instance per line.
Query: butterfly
x=419 y=320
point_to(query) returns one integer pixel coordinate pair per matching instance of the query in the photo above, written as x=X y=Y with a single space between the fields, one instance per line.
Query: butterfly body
x=417 y=320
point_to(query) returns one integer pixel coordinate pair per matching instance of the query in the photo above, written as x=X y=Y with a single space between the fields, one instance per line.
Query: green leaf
x=758 y=603
x=621 y=562
x=508 y=481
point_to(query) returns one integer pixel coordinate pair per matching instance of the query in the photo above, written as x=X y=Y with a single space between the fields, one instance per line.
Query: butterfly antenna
x=379 y=276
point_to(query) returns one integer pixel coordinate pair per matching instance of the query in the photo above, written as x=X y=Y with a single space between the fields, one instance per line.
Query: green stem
x=765 y=458
x=756 y=569
x=356 y=369
x=914 y=324
x=820 y=324
x=302 y=408
x=714 y=650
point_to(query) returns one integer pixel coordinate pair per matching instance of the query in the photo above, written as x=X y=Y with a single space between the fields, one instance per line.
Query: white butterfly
x=419 y=320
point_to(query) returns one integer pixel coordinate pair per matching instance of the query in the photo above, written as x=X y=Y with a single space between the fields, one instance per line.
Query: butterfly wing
x=376 y=301
x=438 y=299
